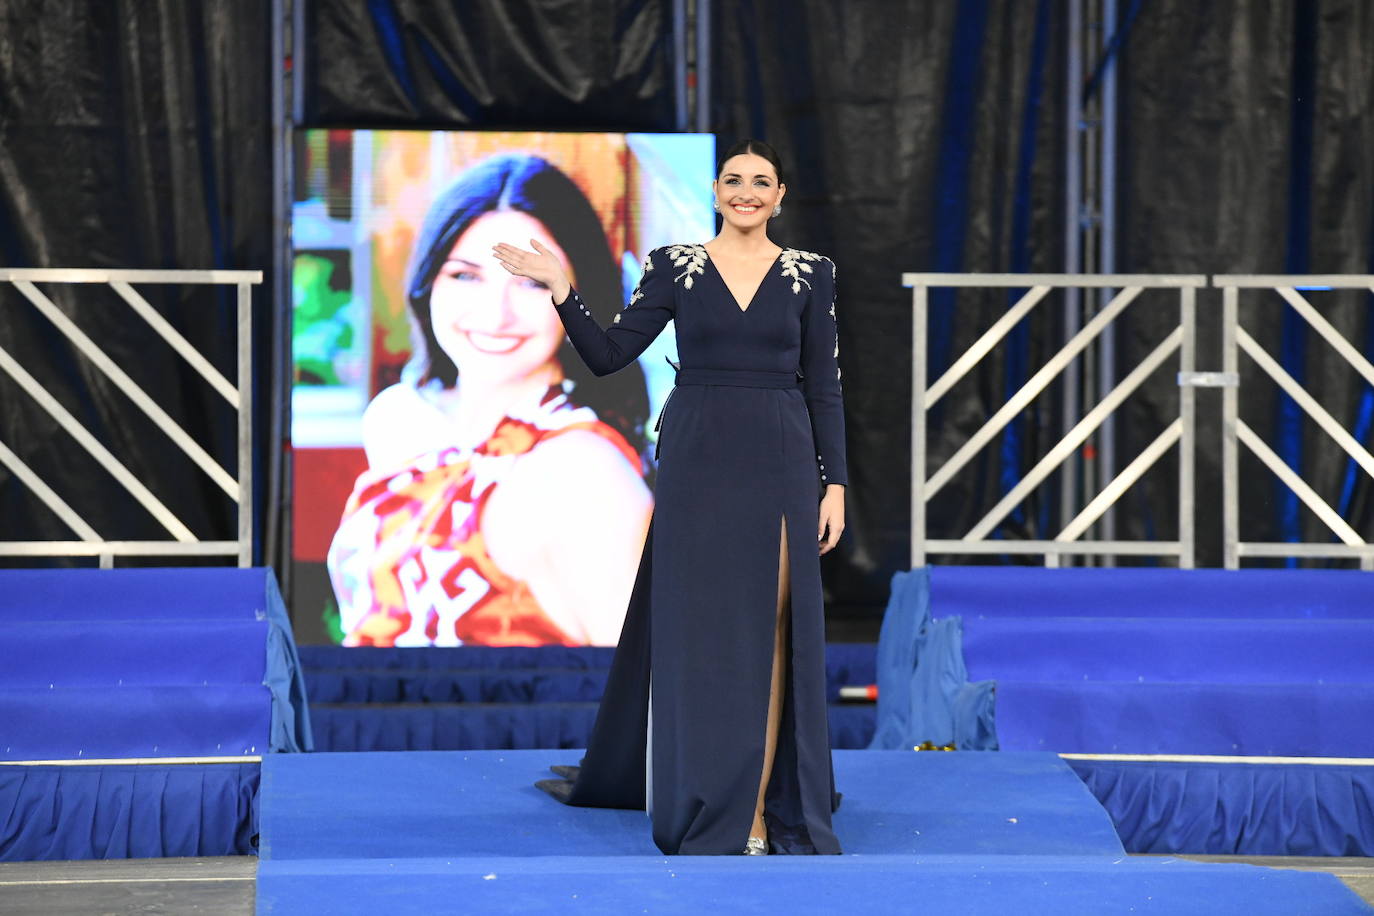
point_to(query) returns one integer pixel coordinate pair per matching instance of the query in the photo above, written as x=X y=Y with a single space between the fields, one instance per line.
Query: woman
x=714 y=716
x=497 y=507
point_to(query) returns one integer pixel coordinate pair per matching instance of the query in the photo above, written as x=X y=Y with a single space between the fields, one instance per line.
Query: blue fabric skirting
x=1236 y=808
x=340 y=658
x=439 y=727
x=482 y=674
x=491 y=685
x=845 y=663
x=121 y=811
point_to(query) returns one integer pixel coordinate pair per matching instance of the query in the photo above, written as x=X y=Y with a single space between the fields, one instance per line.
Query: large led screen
x=460 y=477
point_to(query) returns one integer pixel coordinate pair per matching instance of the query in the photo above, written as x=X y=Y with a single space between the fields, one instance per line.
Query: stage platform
x=967 y=832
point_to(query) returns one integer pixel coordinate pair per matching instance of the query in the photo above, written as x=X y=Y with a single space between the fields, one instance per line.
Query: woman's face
x=492 y=324
x=747 y=190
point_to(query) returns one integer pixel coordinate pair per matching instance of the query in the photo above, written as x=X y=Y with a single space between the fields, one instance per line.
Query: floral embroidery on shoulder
x=794 y=264
x=692 y=258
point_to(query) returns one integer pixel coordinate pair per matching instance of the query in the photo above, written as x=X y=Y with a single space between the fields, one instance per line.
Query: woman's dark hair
x=532 y=185
x=758 y=148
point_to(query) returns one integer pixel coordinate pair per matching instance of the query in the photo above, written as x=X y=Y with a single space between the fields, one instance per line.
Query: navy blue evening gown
x=751 y=434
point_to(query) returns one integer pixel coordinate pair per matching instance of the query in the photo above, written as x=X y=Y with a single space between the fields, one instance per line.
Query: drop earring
x=777 y=211
x=715 y=205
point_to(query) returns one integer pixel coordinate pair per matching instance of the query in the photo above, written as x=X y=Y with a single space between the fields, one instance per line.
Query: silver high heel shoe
x=756 y=846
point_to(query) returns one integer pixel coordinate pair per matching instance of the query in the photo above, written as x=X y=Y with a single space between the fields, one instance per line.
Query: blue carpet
x=963 y=832
x=483 y=803
x=1033 y=885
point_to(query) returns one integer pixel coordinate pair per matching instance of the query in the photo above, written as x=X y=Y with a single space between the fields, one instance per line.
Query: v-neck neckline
x=743 y=309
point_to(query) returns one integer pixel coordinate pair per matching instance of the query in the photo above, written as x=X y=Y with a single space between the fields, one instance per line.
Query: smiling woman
x=714 y=714
x=498 y=507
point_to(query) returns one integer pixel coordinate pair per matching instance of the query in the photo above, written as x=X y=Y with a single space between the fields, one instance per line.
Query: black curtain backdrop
x=133 y=134
x=1246 y=138
x=921 y=137
x=531 y=64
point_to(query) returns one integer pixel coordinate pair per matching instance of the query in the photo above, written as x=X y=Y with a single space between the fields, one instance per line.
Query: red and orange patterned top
x=409 y=564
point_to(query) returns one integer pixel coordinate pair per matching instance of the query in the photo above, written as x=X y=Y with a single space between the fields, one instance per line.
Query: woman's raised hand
x=540 y=265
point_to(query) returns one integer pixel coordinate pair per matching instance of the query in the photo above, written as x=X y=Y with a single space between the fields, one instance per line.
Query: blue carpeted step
x=1169 y=649
x=129 y=594
x=67 y=723
x=167 y=662
x=106 y=653
x=1112 y=717
x=499 y=726
x=1023 y=591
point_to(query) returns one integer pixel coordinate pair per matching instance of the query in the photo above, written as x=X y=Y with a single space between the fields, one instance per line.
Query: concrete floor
x=224 y=886
x=215 y=887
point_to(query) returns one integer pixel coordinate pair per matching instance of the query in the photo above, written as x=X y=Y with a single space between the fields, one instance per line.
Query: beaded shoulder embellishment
x=692 y=260
x=794 y=264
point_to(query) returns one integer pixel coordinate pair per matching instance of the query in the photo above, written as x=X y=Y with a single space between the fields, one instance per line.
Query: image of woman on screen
x=504 y=501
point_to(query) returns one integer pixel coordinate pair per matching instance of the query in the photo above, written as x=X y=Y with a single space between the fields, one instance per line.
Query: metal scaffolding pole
x=703 y=66
x=1073 y=255
x=1106 y=247
x=681 y=87
x=1090 y=241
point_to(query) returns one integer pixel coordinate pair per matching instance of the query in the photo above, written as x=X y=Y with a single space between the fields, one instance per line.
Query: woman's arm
x=634 y=328
x=570 y=520
x=821 y=370
x=825 y=400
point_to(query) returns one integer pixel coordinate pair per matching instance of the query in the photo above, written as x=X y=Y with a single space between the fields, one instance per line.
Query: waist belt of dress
x=738 y=378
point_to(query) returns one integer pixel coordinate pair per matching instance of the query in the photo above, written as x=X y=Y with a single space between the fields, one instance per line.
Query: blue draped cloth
x=924 y=694
x=1236 y=808
x=116 y=811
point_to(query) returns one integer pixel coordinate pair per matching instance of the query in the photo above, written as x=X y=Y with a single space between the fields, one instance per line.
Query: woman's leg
x=775 y=692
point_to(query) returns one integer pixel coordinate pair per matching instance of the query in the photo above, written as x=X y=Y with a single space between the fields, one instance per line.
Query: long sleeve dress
x=749 y=437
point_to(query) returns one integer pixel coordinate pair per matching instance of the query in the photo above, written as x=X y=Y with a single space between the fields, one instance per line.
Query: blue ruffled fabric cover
x=1236 y=808
x=514 y=726
x=924 y=694
x=127 y=811
x=484 y=674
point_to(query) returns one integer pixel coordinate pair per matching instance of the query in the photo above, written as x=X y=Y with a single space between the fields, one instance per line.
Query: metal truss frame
x=1182 y=340
x=1236 y=432
x=238 y=487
